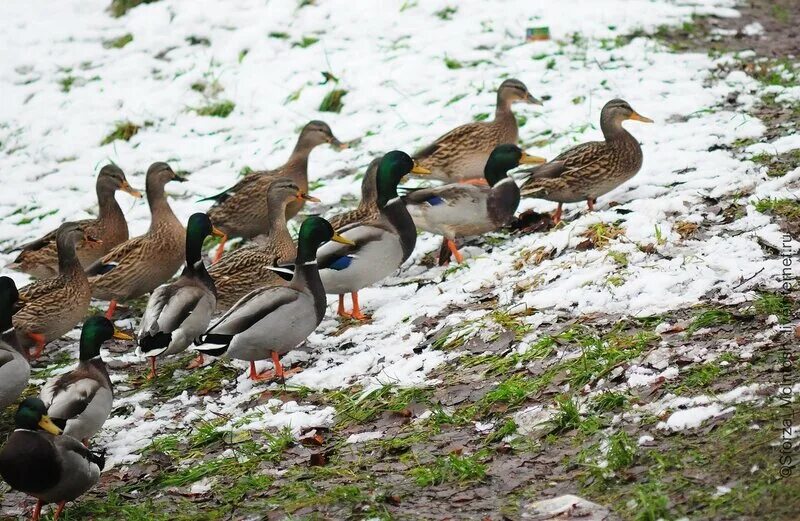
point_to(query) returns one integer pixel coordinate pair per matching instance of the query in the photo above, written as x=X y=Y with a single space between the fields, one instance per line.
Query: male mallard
x=14 y=368
x=79 y=401
x=179 y=312
x=240 y=211
x=39 y=258
x=461 y=154
x=273 y=320
x=368 y=206
x=141 y=264
x=54 y=306
x=241 y=271
x=38 y=460
x=458 y=210
x=379 y=245
x=589 y=170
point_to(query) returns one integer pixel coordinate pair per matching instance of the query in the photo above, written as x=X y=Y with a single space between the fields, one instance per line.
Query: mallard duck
x=52 y=307
x=240 y=211
x=39 y=461
x=368 y=206
x=379 y=245
x=273 y=320
x=39 y=258
x=179 y=312
x=589 y=170
x=140 y=265
x=79 y=401
x=461 y=154
x=14 y=367
x=459 y=210
x=251 y=267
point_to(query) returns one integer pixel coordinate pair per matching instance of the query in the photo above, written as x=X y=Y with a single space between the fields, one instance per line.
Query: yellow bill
x=419 y=169
x=342 y=240
x=216 y=232
x=47 y=424
x=119 y=335
x=638 y=117
x=305 y=197
x=528 y=159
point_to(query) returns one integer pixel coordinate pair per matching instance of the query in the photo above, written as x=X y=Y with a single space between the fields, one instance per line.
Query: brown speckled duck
x=52 y=307
x=39 y=258
x=248 y=268
x=240 y=211
x=141 y=264
x=461 y=154
x=589 y=170
x=368 y=206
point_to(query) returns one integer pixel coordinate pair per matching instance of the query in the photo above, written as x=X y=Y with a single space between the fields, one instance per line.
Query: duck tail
x=154 y=344
x=213 y=344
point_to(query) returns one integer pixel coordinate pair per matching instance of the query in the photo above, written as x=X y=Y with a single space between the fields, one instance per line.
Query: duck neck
x=613 y=130
x=160 y=209
x=396 y=213
x=195 y=267
x=296 y=168
x=67 y=259
x=306 y=278
x=109 y=208
x=502 y=111
x=276 y=220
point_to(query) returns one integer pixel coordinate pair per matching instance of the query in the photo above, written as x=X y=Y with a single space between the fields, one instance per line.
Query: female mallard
x=79 y=401
x=458 y=210
x=589 y=170
x=40 y=258
x=273 y=320
x=368 y=207
x=54 y=306
x=378 y=245
x=241 y=271
x=179 y=312
x=141 y=264
x=240 y=211
x=14 y=368
x=39 y=461
x=461 y=154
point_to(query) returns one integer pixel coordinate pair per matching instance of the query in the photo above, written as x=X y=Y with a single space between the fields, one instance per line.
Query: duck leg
x=454 y=250
x=255 y=376
x=444 y=253
x=220 y=249
x=197 y=362
x=590 y=203
x=280 y=373
x=357 y=314
x=59 y=510
x=112 y=307
x=557 y=215
x=152 y=374
x=341 y=312
x=37 y=511
x=38 y=338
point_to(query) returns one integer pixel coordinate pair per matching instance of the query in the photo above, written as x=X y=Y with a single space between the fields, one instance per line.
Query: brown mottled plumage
x=589 y=170
x=240 y=211
x=143 y=263
x=39 y=258
x=52 y=307
x=461 y=154
x=368 y=206
x=241 y=271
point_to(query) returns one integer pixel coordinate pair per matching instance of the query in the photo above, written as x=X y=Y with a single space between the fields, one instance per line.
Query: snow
x=691 y=418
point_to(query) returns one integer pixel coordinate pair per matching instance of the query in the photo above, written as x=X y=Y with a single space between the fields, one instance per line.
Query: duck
x=460 y=155
x=140 y=265
x=241 y=271
x=39 y=460
x=79 y=401
x=368 y=206
x=39 y=258
x=15 y=370
x=52 y=307
x=589 y=170
x=379 y=245
x=239 y=211
x=459 y=210
x=274 y=320
x=179 y=312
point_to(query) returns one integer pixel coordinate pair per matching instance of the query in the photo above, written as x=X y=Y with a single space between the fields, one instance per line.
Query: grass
x=786 y=208
x=774 y=304
x=123 y=130
x=332 y=102
x=120 y=7
x=778 y=165
x=451 y=468
x=355 y=408
x=601 y=234
x=217 y=109
x=710 y=318
x=568 y=416
x=67 y=82
x=446 y=13
x=452 y=63
x=118 y=43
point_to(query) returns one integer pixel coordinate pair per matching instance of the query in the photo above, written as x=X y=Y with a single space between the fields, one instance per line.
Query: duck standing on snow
x=458 y=210
x=14 y=367
x=52 y=307
x=240 y=211
x=179 y=312
x=39 y=258
x=141 y=264
x=38 y=460
x=250 y=267
x=368 y=206
x=79 y=402
x=377 y=246
x=274 y=320
x=461 y=154
x=589 y=170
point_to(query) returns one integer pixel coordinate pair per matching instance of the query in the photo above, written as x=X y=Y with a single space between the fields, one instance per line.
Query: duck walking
x=377 y=246
x=178 y=313
x=39 y=461
x=274 y=320
x=459 y=210
x=14 y=367
x=589 y=170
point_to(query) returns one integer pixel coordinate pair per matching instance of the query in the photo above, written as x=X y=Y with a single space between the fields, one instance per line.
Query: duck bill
x=342 y=240
x=528 y=159
x=179 y=178
x=532 y=100
x=119 y=335
x=638 y=117
x=47 y=424
x=335 y=143
x=128 y=189
x=305 y=197
x=419 y=169
x=216 y=232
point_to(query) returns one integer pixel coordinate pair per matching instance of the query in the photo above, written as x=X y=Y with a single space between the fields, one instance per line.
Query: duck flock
x=261 y=300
